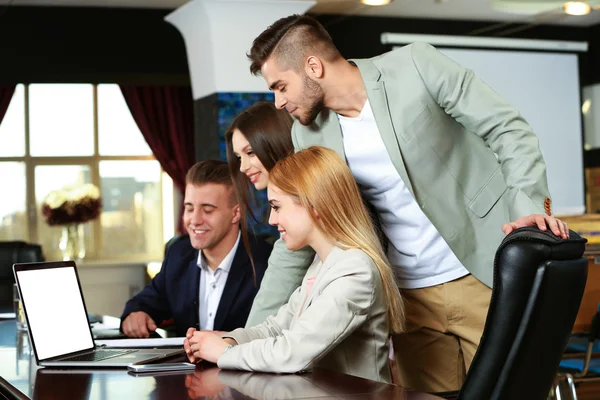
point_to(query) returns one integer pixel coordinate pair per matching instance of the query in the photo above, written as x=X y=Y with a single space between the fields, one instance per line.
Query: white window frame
x=93 y=162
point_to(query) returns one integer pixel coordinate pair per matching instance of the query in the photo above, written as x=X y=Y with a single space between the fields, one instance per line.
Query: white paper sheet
x=164 y=342
x=107 y=323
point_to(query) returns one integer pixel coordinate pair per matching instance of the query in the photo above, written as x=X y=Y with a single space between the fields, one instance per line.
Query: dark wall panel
x=60 y=44
x=206 y=127
x=594 y=55
x=66 y=44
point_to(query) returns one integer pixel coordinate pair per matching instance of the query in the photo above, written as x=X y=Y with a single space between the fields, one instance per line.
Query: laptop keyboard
x=98 y=355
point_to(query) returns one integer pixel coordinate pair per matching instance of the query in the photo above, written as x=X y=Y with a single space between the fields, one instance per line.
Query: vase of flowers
x=70 y=209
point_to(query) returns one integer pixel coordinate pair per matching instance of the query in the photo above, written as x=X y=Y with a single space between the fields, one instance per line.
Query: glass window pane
x=13 y=214
x=55 y=177
x=12 y=127
x=131 y=216
x=61 y=119
x=118 y=133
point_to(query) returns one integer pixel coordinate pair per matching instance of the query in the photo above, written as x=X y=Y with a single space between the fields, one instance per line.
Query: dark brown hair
x=268 y=130
x=210 y=171
x=290 y=39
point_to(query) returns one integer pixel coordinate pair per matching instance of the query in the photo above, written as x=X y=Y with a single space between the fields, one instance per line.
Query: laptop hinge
x=63 y=356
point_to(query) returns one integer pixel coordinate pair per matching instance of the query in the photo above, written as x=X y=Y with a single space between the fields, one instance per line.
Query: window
x=65 y=135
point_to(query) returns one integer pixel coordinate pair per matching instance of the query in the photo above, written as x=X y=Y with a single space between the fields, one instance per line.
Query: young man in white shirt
x=447 y=165
x=206 y=280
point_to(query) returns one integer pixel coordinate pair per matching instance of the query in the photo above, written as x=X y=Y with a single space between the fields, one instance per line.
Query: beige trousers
x=444 y=324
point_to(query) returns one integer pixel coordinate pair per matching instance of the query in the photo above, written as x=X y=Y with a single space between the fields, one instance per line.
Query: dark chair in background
x=539 y=281
x=581 y=361
x=174 y=239
x=10 y=253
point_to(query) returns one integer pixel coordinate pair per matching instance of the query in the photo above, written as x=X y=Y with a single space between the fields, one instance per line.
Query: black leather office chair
x=10 y=253
x=539 y=281
x=174 y=239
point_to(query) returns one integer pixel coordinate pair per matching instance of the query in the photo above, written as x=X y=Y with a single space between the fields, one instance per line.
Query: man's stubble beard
x=316 y=98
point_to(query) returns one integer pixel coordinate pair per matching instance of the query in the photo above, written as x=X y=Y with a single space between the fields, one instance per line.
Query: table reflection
x=233 y=385
x=210 y=383
x=205 y=384
x=57 y=384
x=264 y=387
x=20 y=375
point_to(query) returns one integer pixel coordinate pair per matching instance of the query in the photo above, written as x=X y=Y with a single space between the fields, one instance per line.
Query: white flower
x=91 y=191
x=87 y=190
x=56 y=198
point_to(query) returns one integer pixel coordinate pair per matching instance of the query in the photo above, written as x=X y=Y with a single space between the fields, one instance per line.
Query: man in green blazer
x=444 y=161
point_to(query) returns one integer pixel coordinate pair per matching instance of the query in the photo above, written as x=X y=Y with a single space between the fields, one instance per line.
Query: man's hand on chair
x=542 y=221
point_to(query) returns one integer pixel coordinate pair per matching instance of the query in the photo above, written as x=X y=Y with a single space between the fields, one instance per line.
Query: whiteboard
x=544 y=87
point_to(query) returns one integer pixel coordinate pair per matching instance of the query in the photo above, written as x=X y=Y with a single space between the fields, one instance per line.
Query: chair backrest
x=174 y=239
x=539 y=281
x=10 y=253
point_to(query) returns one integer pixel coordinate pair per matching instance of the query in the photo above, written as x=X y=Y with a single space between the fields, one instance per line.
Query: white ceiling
x=484 y=10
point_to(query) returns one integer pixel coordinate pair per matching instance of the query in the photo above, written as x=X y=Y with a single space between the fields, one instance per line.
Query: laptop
x=58 y=324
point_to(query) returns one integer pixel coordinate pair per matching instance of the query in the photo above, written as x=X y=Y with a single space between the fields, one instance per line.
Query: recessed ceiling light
x=576 y=8
x=376 y=2
x=585 y=107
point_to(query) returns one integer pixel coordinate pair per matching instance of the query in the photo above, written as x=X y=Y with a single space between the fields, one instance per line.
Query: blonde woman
x=341 y=317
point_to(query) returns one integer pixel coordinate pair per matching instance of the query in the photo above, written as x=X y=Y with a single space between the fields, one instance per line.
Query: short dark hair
x=289 y=39
x=211 y=171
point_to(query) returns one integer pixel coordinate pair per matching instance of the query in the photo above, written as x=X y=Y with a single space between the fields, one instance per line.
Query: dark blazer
x=174 y=291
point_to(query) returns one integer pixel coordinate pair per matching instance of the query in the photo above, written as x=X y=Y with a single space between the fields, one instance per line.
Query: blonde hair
x=323 y=183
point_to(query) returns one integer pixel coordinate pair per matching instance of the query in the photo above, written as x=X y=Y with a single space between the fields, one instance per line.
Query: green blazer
x=467 y=156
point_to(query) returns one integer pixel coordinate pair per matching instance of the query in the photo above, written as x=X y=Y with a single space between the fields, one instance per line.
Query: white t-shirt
x=416 y=250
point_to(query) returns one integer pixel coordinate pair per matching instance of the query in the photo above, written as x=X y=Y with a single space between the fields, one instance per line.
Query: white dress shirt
x=212 y=284
x=416 y=250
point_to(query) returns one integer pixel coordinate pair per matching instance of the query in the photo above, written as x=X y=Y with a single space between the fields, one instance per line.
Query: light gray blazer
x=341 y=325
x=468 y=157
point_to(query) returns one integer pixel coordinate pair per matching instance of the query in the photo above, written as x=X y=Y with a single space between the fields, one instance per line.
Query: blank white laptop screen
x=56 y=315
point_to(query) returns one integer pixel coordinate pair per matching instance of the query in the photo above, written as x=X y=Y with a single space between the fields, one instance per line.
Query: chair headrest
x=555 y=247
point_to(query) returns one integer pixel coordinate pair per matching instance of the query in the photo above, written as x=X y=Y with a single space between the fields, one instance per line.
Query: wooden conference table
x=20 y=378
